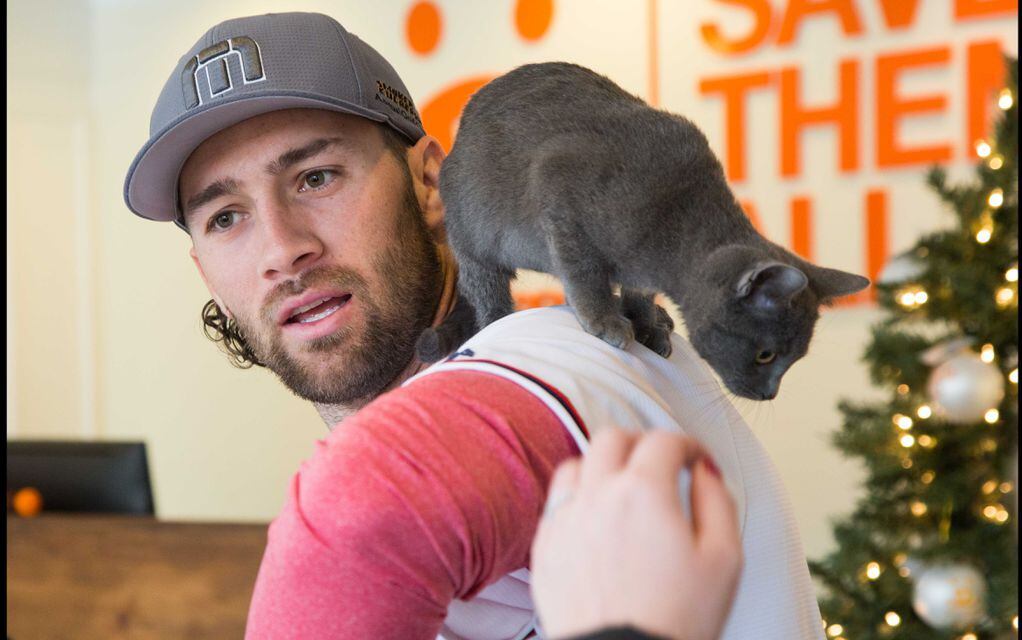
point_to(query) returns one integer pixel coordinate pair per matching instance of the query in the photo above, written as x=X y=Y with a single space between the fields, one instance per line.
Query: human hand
x=615 y=547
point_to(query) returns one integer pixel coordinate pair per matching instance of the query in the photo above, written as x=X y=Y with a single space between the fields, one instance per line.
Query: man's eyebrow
x=294 y=156
x=222 y=187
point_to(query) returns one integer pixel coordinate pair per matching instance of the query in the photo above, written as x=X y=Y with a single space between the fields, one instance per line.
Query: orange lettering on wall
x=898 y=14
x=891 y=109
x=876 y=250
x=734 y=89
x=985 y=76
x=795 y=118
x=761 y=16
x=969 y=9
x=798 y=10
x=801 y=227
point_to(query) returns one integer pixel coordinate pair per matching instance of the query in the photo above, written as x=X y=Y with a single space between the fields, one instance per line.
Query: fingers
x=563 y=484
x=714 y=515
x=608 y=454
x=661 y=455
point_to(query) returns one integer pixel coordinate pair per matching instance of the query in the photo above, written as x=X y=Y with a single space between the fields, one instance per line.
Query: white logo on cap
x=211 y=63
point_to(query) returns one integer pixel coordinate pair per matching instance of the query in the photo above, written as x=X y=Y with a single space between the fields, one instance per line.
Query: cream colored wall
x=103 y=307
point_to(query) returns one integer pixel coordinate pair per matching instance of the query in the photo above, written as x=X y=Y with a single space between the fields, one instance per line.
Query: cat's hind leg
x=652 y=324
x=487 y=288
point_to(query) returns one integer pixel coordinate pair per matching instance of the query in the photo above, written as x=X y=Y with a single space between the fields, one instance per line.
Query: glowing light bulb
x=924 y=412
x=906 y=463
x=892 y=619
x=1011 y=275
x=1014 y=623
x=834 y=630
x=983 y=149
x=995 y=162
x=907 y=440
x=992 y=416
x=983 y=235
x=921 y=297
x=990 y=511
x=1005 y=99
x=1013 y=376
x=1004 y=296
x=986 y=354
x=903 y=389
x=927 y=477
x=968 y=636
x=1005 y=487
x=989 y=486
x=873 y=570
x=904 y=422
x=996 y=198
x=926 y=441
x=1002 y=516
x=918 y=509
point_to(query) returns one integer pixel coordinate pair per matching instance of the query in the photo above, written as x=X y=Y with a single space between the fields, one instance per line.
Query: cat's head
x=757 y=314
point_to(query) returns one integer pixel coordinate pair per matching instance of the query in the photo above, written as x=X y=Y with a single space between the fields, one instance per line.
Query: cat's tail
x=437 y=342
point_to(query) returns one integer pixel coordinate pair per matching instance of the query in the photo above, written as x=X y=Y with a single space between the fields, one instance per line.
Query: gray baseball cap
x=249 y=66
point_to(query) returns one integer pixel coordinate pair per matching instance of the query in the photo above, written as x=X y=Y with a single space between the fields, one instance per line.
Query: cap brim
x=150 y=189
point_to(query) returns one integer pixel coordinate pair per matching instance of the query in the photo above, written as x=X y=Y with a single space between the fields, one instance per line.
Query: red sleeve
x=428 y=494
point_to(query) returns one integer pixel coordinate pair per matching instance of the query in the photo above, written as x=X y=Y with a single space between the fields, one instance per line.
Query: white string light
x=996 y=198
x=1005 y=99
x=986 y=354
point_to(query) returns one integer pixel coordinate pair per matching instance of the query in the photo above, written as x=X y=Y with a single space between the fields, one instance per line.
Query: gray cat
x=557 y=169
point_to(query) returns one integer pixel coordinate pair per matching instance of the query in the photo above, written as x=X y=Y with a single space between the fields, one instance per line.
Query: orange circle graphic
x=423 y=27
x=27 y=502
x=533 y=18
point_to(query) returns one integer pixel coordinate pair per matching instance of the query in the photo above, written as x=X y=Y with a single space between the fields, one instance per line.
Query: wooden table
x=88 y=576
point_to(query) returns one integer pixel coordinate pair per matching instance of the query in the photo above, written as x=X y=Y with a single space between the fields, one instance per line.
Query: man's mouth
x=317 y=309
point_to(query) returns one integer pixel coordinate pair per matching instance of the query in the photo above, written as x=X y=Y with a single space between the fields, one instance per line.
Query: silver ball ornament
x=950 y=596
x=901 y=268
x=963 y=388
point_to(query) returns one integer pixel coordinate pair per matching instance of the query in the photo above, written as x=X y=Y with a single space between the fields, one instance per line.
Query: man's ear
x=205 y=280
x=424 y=161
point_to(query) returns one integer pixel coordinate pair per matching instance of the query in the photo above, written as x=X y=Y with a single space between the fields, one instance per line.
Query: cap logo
x=397 y=101
x=210 y=67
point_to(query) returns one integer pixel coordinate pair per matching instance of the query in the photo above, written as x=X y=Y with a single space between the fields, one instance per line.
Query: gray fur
x=557 y=169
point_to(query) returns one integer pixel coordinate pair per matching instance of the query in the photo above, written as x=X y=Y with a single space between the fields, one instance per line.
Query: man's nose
x=291 y=244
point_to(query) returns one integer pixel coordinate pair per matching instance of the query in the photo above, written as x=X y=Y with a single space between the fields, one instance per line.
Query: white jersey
x=589 y=385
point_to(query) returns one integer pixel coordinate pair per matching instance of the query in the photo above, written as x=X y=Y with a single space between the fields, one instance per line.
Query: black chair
x=96 y=477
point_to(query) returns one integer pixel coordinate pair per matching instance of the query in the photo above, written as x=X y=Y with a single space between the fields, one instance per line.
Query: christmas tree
x=930 y=551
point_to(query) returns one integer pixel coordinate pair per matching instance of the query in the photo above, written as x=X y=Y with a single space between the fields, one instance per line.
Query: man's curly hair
x=219 y=327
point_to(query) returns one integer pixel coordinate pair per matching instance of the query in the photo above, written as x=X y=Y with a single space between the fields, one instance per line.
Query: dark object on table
x=96 y=477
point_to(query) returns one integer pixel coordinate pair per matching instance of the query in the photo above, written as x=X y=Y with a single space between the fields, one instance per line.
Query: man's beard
x=360 y=365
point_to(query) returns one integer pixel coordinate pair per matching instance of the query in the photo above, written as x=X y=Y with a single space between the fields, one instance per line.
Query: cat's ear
x=770 y=286
x=834 y=283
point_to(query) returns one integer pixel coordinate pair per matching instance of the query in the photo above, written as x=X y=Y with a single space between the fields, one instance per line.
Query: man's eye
x=317 y=179
x=222 y=221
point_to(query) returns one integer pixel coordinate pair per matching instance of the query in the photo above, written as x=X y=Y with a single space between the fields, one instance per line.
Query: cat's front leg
x=652 y=324
x=587 y=288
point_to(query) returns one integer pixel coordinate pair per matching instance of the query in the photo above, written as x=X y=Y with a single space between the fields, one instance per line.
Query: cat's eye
x=765 y=357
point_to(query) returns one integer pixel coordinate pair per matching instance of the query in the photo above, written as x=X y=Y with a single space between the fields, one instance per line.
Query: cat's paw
x=616 y=331
x=664 y=319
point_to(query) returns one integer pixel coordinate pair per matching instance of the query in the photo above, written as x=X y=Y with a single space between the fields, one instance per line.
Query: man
x=291 y=153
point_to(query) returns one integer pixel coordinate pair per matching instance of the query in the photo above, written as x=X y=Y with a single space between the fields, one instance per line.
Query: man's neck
x=335 y=413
